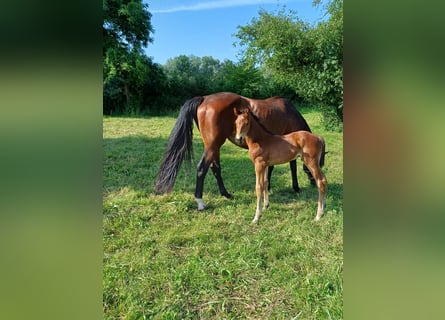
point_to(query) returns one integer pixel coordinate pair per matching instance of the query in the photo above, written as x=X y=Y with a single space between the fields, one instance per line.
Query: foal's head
x=242 y=124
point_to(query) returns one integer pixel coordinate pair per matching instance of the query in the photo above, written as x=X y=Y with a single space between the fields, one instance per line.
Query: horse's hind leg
x=216 y=169
x=269 y=174
x=210 y=159
x=203 y=167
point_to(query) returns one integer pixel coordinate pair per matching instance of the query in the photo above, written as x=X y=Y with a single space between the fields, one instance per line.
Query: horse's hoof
x=297 y=190
x=201 y=204
x=227 y=195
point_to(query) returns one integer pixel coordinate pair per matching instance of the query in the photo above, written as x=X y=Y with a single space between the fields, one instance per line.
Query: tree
x=127 y=24
x=240 y=78
x=190 y=76
x=126 y=30
x=304 y=57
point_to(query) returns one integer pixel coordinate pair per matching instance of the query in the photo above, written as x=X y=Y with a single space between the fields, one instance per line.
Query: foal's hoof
x=297 y=189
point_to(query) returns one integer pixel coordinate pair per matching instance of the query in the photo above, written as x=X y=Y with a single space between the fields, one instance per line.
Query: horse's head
x=242 y=124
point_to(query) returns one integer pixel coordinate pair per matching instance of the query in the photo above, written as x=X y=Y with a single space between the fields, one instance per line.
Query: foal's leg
x=309 y=175
x=265 y=189
x=321 y=182
x=259 y=188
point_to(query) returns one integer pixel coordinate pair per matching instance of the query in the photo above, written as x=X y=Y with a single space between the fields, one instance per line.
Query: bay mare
x=267 y=149
x=213 y=114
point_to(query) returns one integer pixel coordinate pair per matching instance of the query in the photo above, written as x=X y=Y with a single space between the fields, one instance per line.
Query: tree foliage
x=304 y=57
x=189 y=76
x=127 y=24
x=127 y=71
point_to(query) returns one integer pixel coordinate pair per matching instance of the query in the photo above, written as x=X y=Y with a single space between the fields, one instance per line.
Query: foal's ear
x=240 y=110
x=237 y=111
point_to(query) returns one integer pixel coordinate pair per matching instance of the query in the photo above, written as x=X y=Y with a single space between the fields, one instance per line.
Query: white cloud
x=215 y=5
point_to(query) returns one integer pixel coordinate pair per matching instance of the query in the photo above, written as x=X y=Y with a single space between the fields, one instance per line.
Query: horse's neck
x=256 y=132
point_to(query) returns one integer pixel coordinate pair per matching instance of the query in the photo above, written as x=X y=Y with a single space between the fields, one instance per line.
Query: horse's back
x=278 y=115
x=216 y=117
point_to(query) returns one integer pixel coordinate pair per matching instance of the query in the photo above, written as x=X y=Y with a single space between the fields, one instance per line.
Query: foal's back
x=277 y=149
x=309 y=145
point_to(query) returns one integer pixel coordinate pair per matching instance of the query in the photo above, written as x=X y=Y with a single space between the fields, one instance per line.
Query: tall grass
x=165 y=260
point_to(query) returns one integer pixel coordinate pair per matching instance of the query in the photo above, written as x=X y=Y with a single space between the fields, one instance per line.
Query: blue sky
x=207 y=27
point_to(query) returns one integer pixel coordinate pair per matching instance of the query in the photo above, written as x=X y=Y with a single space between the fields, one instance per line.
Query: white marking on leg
x=201 y=204
x=265 y=191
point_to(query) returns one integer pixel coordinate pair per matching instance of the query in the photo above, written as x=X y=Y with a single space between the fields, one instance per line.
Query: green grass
x=165 y=260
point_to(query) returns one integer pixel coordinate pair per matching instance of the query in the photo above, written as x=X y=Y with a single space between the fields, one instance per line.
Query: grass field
x=163 y=259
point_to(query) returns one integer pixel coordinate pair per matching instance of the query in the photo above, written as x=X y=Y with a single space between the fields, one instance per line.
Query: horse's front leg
x=293 y=173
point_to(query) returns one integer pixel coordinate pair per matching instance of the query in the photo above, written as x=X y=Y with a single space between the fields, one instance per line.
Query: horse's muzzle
x=239 y=140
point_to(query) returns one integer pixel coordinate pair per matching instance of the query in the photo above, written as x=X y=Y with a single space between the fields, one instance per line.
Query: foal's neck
x=256 y=131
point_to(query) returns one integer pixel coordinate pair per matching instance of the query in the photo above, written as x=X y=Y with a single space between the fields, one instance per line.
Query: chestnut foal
x=267 y=149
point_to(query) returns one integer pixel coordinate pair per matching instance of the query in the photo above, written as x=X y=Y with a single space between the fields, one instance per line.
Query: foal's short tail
x=180 y=146
x=323 y=152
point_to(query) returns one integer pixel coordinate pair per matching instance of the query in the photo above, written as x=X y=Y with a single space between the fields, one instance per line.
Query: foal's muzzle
x=239 y=139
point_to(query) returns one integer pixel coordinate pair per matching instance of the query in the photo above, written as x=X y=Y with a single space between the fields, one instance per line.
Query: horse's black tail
x=180 y=146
